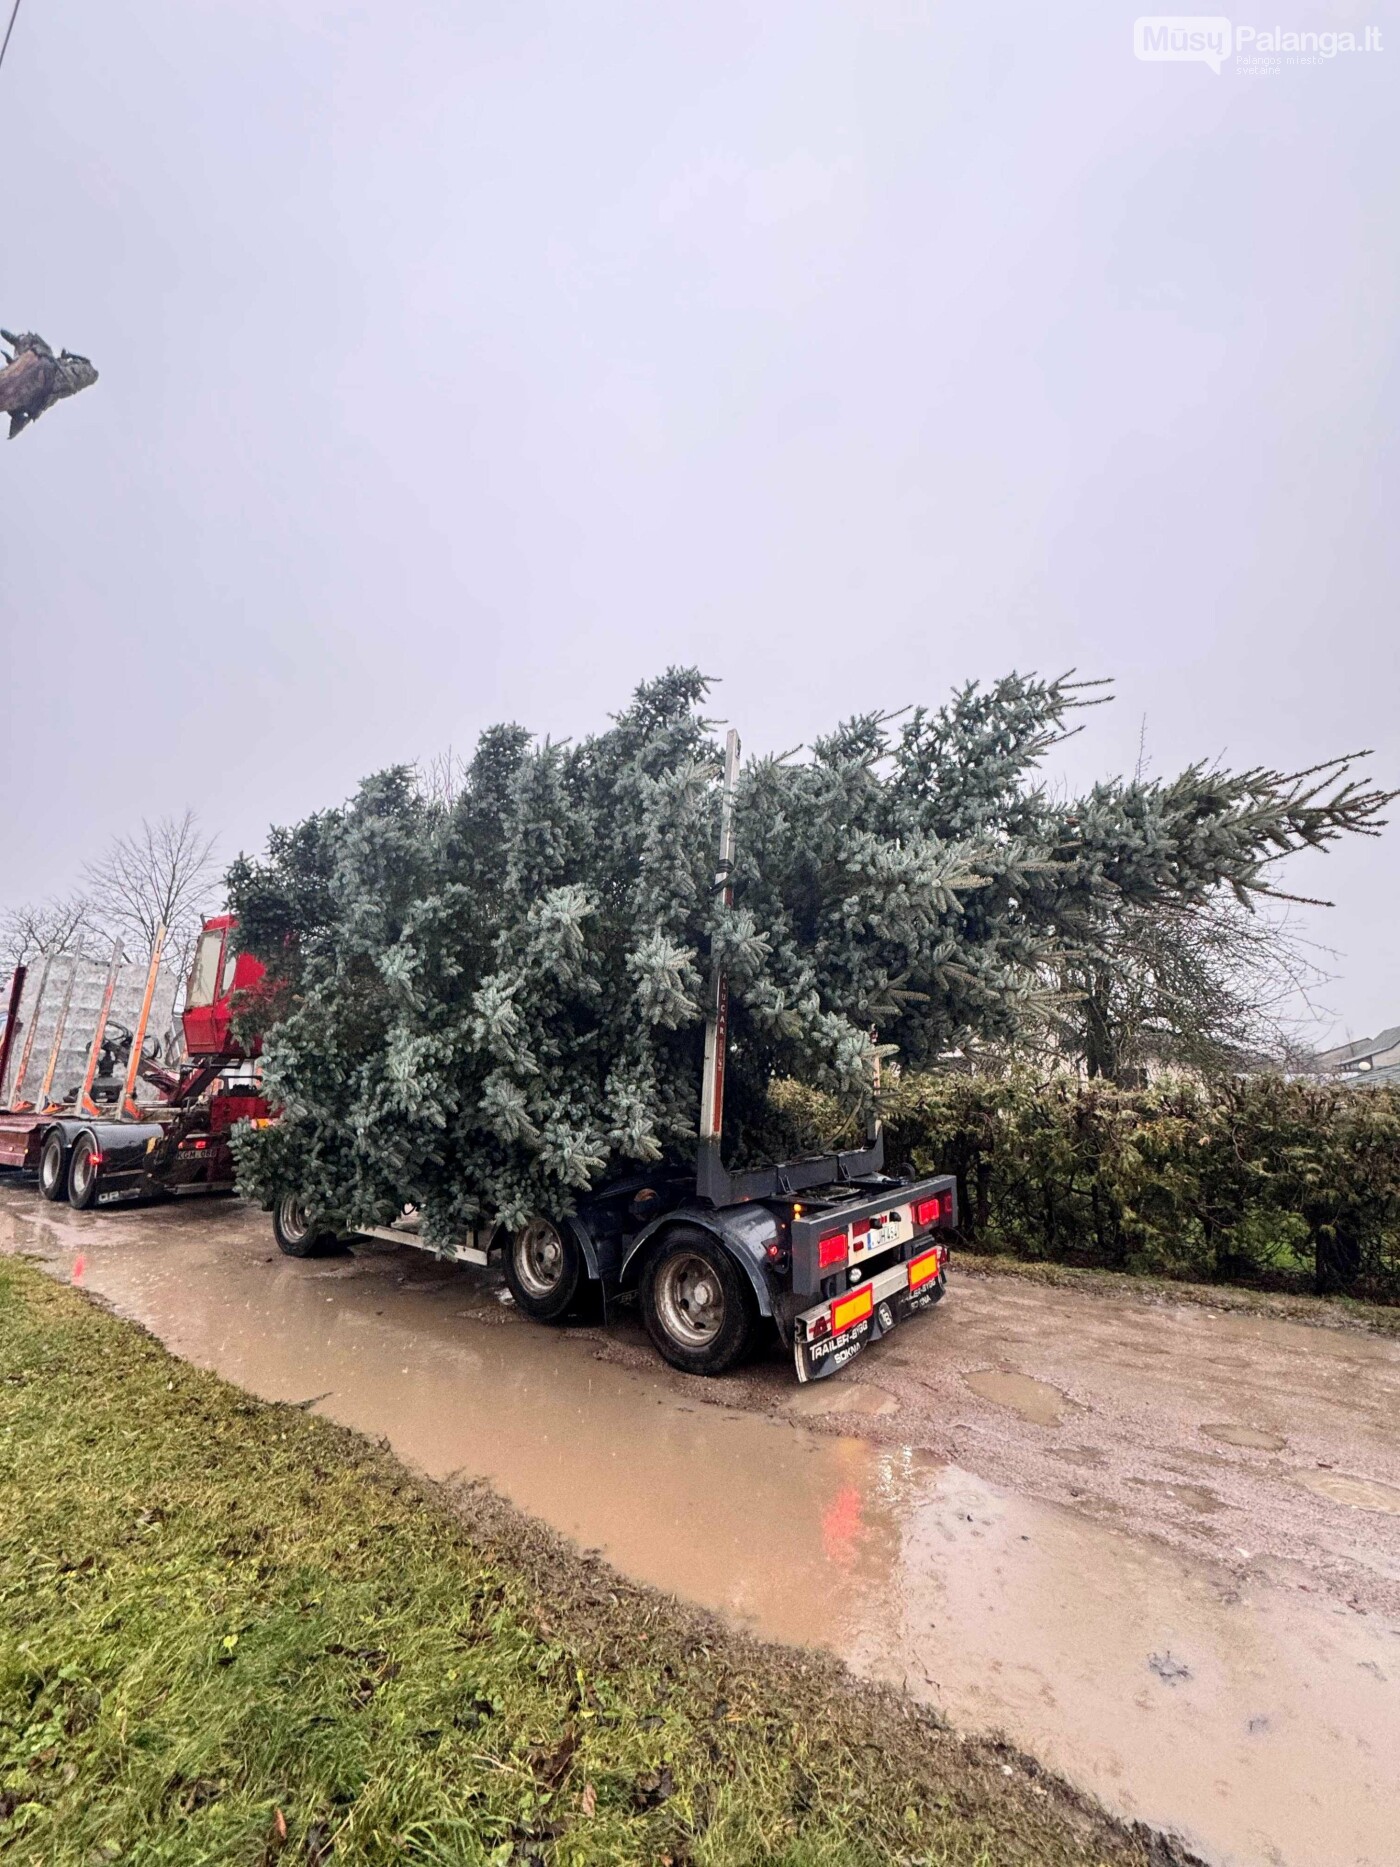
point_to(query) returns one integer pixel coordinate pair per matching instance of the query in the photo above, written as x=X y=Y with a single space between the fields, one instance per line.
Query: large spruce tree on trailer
x=491 y=1004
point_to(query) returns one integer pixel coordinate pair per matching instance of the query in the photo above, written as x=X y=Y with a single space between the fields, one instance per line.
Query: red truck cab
x=219 y=970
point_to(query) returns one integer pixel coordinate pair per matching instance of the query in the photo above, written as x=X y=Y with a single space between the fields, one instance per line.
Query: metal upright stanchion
x=138 y=1036
x=11 y=1025
x=85 y=1104
x=41 y=1101
x=31 y=1033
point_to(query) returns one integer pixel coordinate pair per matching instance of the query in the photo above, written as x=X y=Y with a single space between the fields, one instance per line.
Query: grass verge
x=233 y=1632
x=1332 y=1312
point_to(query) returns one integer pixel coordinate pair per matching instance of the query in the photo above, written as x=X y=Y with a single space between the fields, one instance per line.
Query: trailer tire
x=53 y=1169
x=84 y=1172
x=697 y=1304
x=297 y=1235
x=544 y=1269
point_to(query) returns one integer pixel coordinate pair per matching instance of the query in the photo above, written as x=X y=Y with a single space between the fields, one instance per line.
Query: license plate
x=889 y=1233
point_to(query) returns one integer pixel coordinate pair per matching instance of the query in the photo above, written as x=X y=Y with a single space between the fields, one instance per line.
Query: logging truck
x=154 y=1131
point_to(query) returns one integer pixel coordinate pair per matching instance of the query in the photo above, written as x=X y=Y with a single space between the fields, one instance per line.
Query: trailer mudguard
x=124 y=1146
x=744 y=1231
x=600 y=1263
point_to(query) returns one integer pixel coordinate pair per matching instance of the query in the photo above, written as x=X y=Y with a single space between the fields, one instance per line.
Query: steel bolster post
x=11 y=1021
x=85 y=1103
x=31 y=1033
x=717 y=1022
x=41 y=1101
x=138 y=1036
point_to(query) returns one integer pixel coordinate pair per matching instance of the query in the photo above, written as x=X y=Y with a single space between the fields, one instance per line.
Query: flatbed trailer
x=159 y=1133
x=830 y=1251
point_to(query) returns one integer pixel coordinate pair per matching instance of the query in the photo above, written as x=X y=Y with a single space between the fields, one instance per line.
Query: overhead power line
x=14 y=11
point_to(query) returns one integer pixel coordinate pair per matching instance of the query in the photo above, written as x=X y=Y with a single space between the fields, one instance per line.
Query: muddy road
x=1156 y=1546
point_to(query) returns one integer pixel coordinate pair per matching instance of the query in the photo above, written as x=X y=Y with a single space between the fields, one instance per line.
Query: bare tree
x=440 y=779
x=41 y=928
x=1211 y=987
x=162 y=876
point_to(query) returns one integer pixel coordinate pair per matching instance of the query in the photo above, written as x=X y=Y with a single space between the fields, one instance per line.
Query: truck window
x=230 y=965
x=204 y=974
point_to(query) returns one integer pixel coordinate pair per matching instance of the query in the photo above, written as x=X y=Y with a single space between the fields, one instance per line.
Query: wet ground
x=1156 y=1546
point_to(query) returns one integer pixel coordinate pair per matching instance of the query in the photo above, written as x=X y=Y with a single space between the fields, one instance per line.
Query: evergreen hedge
x=1257 y=1180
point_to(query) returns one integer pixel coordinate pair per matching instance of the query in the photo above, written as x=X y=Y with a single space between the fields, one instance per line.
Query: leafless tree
x=1212 y=987
x=440 y=779
x=41 y=927
x=162 y=876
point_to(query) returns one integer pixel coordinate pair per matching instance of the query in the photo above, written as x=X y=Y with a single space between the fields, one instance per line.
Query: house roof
x=1347 y=1056
x=1386 y=1076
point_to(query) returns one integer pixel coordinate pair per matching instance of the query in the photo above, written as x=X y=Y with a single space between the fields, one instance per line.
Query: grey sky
x=468 y=362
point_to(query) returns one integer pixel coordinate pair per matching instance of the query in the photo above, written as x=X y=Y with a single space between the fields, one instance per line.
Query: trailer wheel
x=84 y=1166
x=297 y=1234
x=544 y=1269
x=697 y=1304
x=53 y=1165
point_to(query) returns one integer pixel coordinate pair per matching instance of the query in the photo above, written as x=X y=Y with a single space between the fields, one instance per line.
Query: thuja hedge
x=1258 y=1180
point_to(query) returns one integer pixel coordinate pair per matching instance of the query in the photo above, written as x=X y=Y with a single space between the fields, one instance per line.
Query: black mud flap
x=815 y=1360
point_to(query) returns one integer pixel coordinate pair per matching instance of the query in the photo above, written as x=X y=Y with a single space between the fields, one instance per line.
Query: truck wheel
x=697 y=1304
x=544 y=1269
x=84 y=1168
x=53 y=1169
x=296 y=1233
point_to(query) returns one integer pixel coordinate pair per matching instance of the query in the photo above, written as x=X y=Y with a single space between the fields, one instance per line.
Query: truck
x=158 y=1131
x=829 y=1251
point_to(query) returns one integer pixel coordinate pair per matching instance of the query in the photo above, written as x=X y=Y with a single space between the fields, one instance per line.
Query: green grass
x=233 y=1632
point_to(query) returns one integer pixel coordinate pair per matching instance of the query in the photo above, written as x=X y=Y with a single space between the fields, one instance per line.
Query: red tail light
x=832 y=1249
x=935 y=1211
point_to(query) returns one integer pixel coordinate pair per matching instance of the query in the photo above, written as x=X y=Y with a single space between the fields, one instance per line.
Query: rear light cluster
x=844 y=1312
x=927 y=1265
x=935 y=1210
x=832 y=1249
x=847 y=1311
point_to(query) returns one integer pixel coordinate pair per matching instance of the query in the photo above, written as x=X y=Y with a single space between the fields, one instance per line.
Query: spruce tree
x=491 y=1005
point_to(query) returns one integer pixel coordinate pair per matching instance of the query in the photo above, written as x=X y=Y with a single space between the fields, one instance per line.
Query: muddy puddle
x=1249 y=1438
x=1360 y=1493
x=1035 y=1401
x=1260 y=1724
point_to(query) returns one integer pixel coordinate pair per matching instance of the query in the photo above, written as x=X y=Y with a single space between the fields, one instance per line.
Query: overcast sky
x=463 y=362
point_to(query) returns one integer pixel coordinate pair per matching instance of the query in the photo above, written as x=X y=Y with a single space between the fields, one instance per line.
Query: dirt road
x=1157 y=1546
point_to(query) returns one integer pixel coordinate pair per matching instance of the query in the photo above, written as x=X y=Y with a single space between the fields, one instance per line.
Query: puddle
x=1195 y=1497
x=1261 y=1744
x=1250 y=1437
x=1361 y=1493
x=1033 y=1400
x=1088 y=1458
x=834 y=1396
